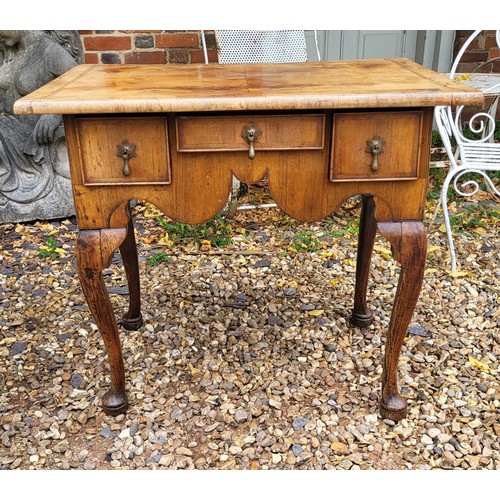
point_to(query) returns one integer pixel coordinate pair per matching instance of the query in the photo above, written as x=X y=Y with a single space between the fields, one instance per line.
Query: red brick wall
x=184 y=47
x=146 y=47
x=181 y=47
x=483 y=48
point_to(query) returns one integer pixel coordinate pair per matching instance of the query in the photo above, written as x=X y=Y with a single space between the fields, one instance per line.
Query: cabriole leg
x=409 y=246
x=94 y=249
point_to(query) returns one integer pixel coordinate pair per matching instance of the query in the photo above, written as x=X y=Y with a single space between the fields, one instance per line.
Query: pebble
x=482 y=387
x=18 y=348
x=473 y=461
x=241 y=416
x=448 y=456
x=134 y=428
x=184 y=451
x=418 y=330
x=443 y=438
x=299 y=423
x=234 y=373
x=474 y=424
x=263 y=263
x=76 y=380
x=427 y=440
x=124 y=434
x=275 y=320
x=89 y=464
x=339 y=448
x=433 y=432
x=345 y=464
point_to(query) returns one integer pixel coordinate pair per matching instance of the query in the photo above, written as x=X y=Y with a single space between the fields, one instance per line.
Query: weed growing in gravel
x=305 y=241
x=473 y=217
x=49 y=250
x=351 y=229
x=158 y=258
x=214 y=232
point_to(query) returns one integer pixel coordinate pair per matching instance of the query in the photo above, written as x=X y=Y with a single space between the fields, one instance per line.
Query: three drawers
x=365 y=145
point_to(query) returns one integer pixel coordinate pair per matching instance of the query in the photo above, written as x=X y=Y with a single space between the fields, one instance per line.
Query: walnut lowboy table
x=322 y=132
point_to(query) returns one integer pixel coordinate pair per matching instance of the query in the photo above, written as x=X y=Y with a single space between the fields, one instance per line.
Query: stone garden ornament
x=34 y=167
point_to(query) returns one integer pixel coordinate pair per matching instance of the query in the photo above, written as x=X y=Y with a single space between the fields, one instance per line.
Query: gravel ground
x=246 y=359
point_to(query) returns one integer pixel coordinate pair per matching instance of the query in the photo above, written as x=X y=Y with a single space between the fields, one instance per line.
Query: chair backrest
x=260 y=46
x=482 y=123
x=482 y=65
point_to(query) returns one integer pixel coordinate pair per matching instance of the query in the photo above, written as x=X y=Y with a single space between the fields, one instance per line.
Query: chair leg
x=446 y=215
x=434 y=214
x=231 y=205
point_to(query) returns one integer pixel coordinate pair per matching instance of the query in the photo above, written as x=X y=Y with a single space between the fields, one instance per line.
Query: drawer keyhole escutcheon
x=375 y=146
x=126 y=151
x=251 y=133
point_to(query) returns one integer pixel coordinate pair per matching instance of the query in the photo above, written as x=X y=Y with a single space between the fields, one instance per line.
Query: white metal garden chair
x=480 y=156
x=258 y=46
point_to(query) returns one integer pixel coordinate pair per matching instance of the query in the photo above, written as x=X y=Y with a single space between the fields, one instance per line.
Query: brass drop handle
x=375 y=146
x=126 y=151
x=251 y=133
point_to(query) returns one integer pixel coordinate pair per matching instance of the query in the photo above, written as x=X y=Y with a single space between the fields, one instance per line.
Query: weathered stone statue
x=34 y=169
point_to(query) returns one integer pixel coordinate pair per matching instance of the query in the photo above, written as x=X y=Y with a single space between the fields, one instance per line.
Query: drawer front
x=274 y=132
x=375 y=145
x=131 y=150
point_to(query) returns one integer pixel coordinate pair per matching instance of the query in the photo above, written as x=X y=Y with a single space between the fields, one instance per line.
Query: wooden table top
x=372 y=83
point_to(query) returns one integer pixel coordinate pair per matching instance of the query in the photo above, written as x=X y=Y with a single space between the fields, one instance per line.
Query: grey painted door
x=431 y=48
x=372 y=44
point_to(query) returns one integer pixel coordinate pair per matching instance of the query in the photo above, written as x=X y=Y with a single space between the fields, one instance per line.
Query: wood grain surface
x=300 y=180
x=213 y=87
